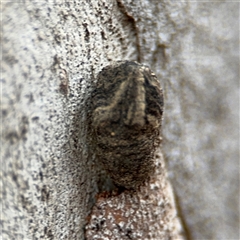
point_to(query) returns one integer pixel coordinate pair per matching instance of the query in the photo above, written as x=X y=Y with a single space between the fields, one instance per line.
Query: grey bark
x=51 y=54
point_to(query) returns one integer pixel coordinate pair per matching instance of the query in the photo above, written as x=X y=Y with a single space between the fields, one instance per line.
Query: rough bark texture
x=52 y=53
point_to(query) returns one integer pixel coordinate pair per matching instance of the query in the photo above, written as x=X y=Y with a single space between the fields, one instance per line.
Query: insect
x=124 y=122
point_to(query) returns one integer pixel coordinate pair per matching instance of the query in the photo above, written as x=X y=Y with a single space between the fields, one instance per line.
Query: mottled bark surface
x=52 y=53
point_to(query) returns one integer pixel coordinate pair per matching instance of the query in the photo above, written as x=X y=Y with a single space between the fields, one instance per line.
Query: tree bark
x=51 y=181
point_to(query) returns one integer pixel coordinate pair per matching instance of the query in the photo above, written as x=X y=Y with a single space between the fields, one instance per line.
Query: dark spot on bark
x=41 y=175
x=103 y=35
x=24 y=127
x=87 y=34
x=44 y=193
x=4 y=112
x=34 y=119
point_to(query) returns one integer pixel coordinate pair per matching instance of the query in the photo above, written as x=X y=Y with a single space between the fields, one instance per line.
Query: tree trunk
x=52 y=186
